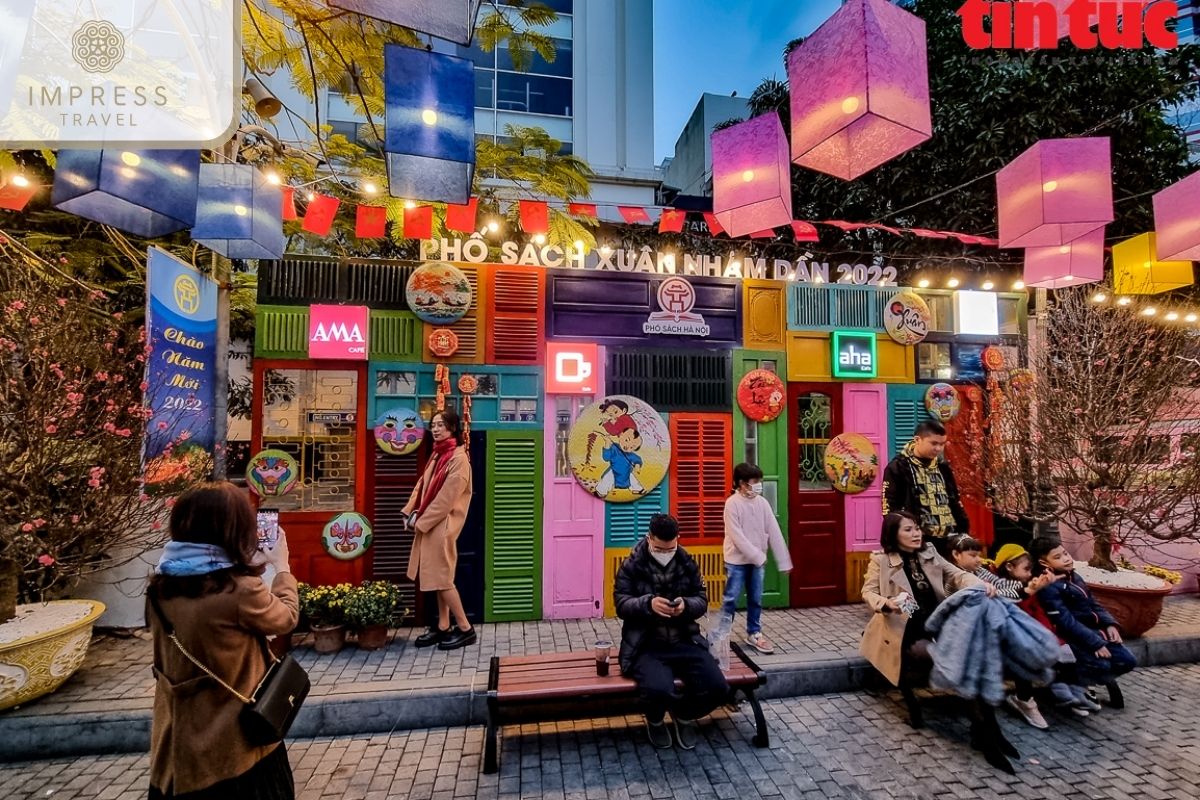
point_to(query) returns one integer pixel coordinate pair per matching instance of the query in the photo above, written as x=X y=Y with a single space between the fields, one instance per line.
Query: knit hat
x=1009 y=552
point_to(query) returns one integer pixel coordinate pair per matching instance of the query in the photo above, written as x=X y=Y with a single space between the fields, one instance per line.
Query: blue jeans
x=750 y=578
x=1092 y=669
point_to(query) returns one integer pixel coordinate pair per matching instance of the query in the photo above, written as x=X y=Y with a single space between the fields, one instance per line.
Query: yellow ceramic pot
x=40 y=662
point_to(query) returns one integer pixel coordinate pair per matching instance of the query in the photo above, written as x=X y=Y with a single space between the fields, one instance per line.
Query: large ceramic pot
x=1135 y=610
x=328 y=638
x=372 y=637
x=43 y=646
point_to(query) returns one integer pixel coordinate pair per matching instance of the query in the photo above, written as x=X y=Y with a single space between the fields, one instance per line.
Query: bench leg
x=1116 y=698
x=761 y=737
x=491 y=760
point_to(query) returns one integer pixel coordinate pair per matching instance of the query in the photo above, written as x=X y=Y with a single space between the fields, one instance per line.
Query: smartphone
x=678 y=601
x=268 y=529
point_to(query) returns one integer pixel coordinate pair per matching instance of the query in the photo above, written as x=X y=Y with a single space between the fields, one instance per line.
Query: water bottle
x=718 y=640
x=722 y=652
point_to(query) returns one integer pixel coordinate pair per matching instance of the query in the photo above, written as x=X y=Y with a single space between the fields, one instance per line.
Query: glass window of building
x=933 y=362
x=533 y=94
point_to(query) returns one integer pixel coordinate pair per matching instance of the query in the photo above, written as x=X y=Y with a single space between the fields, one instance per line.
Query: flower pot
x=281 y=645
x=1135 y=610
x=43 y=646
x=372 y=637
x=328 y=638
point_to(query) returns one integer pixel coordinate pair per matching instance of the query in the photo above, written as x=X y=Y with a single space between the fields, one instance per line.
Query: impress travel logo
x=146 y=73
x=1089 y=24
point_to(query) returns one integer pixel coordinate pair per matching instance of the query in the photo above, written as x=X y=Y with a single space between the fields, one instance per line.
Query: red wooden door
x=817 y=514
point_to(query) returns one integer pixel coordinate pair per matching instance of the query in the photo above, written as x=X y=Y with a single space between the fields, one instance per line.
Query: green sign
x=854 y=354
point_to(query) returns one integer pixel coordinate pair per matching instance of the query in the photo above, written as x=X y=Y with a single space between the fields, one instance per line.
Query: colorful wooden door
x=816 y=511
x=513 y=588
x=866 y=412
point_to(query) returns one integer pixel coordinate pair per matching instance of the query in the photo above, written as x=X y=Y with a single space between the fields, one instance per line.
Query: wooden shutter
x=672 y=380
x=625 y=523
x=395 y=336
x=395 y=478
x=281 y=332
x=515 y=304
x=700 y=475
x=299 y=280
x=906 y=408
x=514 y=521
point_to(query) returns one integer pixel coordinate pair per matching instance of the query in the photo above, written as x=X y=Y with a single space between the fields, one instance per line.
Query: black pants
x=656 y=668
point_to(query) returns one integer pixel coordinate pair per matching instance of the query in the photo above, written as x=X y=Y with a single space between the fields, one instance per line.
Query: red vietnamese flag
x=418 y=222
x=462 y=218
x=289 y=202
x=535 y=216
x=714 y=227
x=370 y=222
x=318 y=218
x=672 y=220
x=846 y=226
x=633 y=214
x=582 y=209
x=928 y=234
x=805 y=231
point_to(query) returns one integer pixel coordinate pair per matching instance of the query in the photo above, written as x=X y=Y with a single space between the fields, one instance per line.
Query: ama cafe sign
x=338 y=332
x=658 y=262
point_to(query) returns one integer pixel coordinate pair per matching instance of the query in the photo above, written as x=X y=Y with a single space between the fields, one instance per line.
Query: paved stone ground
x=828 y=746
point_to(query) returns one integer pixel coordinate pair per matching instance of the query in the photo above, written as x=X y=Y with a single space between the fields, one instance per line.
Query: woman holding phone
x=436 y=512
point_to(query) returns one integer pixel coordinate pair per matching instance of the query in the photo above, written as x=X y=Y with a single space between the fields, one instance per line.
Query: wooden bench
x=565 y=686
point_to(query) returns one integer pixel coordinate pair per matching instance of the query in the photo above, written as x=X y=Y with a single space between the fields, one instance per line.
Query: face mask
x=757 y=488
x=663 y=558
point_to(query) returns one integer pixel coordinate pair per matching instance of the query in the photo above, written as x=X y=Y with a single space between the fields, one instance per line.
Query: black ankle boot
x=991 y=744
x=431 y=637
x=458 y=638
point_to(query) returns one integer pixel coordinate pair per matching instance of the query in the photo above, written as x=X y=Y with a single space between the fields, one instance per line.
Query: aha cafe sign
x=854 y=354
x=338 y=332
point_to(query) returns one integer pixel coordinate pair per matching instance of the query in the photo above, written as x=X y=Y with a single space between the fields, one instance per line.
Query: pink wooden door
x=865 y=411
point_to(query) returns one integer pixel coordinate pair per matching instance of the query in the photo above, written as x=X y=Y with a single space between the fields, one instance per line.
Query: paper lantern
x=1136 y=270
x=752 y=177
x=859 y=89
x=16 y=192
x=239 y=212
x=1055 y=192
x=453 y=20
x=1071 y=264
x=429 y=138
x=148 y=193
x=1177 y=220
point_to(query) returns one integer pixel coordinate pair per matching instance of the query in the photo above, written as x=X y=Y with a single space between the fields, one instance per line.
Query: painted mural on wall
x=906 y=318
x=619 y=448
x=438 y=293
x=851 y=463
x=761 y=395
x=272 y=473
x=347 y=536
x=942 y=402
x=399 y=431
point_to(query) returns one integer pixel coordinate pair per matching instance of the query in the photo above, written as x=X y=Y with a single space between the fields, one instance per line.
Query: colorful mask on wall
x=438 y=293
x=399 y=431
x=619 y=449
x=851 y=463
x=942 y=402
x=906 y=318
x=761 y=395
x=347 y=536
x=272 y=473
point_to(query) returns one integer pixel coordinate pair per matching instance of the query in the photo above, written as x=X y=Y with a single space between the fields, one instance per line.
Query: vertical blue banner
x=181 y=329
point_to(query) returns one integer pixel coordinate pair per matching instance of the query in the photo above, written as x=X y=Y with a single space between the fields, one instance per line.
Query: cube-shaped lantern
x=430 y=124
x=859 y=89
x=1177 y=219
x=1136 y=269
x=239 y=213
x=145 y=192
x=752 y=176
x=1071 y=264
x=453 y=20
x=1055 y=192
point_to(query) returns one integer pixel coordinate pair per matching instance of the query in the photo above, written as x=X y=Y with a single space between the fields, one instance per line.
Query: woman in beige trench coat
x=436 y=512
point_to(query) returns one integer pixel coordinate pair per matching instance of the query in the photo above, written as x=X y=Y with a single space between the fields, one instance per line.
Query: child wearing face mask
x=750 y=531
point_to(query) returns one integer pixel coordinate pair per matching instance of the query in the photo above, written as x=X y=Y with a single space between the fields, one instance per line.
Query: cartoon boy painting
x=623 y=463
x=615 y=418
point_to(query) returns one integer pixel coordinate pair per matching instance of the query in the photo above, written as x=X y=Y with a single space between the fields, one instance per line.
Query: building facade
x=689 y=170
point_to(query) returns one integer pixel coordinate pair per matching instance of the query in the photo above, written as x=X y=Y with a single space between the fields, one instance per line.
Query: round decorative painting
x=619 y=448
x=942 y=401
x=399 y=431
x=975 y=394
x=347 y=536
x=761 y=395
x=851 y=462
x=272 y=473
x=1022 y=379
x=906 y=318
x=443 y=342
x=439 y=293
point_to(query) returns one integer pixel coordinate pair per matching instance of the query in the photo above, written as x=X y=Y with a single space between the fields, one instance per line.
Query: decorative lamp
x=453 y=20
x=429 y=142
x=860 y=89
x=1136 y=270
x=1177 y=220
x=752 y=177
x=239 y=213
x=1071 y=264
x=1055 y=192
x=148 y=193
x=16 y=192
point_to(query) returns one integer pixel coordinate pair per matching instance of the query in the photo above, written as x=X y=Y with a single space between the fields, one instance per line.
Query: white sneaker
x=1029 y=710
x=760 y=643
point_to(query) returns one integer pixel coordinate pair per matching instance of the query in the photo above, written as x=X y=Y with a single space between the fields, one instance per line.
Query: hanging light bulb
x=409 y=204
x=1190 y=318
x=988 y=286
x=273 y=178
x=1099 y=297
x=493 y=225
x=1172 y=316
x=369 y=188
x=539 y=239
x=1123 y=301
x=20 y=180
x=923 y=283
x=1149 y=311
x=952 y=283
x=1018 y=286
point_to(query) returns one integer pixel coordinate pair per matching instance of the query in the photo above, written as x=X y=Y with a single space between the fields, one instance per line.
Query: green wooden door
x=513 y=550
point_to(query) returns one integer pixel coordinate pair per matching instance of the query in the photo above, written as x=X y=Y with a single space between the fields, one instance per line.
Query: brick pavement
x=826 y=746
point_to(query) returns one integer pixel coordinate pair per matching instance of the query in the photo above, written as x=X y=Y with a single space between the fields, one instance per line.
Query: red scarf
x=443 y=451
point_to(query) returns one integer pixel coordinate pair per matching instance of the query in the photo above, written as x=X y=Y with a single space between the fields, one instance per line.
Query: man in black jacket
x=920 y=482
x=659 y=594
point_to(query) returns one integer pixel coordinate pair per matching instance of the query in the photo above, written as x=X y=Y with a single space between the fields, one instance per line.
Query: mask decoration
x=347 y=536
x=399 y=431
x=272 y=473
x=942 y=402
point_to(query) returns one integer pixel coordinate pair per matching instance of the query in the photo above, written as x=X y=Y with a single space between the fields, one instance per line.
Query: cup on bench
x=603 y=652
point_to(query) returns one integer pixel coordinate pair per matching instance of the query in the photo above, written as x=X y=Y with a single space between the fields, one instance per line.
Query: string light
x=539 y=239
x=988 y=286
x=493 y=226
x=1149 y=311
x=1190 y=318
x=20 y=180
x=409 y=204
x=369 y=188
x=311 y=196
x=273 y=178
x=952 y=283
x=1124 y=301
x=1018 y=286
x=923 y=283
x=1099 y=297
x=1172 y=316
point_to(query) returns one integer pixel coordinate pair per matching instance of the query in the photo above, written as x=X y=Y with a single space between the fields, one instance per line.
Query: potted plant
x=325 y=608
x=370 y=609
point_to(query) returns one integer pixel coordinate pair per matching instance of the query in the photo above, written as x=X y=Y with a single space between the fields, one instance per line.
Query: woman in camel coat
x=436 y=512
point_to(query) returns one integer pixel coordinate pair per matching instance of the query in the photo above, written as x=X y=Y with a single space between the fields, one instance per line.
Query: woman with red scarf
x=436 y=513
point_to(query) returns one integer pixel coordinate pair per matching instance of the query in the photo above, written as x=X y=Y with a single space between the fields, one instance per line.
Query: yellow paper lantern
x=1137 y=270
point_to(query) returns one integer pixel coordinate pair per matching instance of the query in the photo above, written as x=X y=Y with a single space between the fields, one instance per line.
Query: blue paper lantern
x=145 y=192
x=429 y=142
x=453 y=20
x=239 y=213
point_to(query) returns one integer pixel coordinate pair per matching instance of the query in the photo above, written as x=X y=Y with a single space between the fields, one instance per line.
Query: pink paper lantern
x=1177 y=220
x=1055 y=192
x=860 y=89
x=752 y=177
x=1071 y=264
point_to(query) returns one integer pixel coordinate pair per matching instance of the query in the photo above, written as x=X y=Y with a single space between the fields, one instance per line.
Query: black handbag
x=268 y=713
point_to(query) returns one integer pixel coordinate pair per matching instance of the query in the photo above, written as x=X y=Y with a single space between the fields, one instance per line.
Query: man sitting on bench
x=659 y=594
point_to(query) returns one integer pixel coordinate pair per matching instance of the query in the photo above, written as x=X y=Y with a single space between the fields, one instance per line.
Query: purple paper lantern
x=1055 y=192
x=1071 y=264
x=1177 y=220
x=453 y=20
x=752 y=180
x=860 y=89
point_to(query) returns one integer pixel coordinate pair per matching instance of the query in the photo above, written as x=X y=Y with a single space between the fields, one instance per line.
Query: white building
x=1188 y=116
x=689 y=171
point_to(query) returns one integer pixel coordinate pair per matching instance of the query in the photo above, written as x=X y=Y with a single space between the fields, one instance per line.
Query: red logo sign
x=571 y=368
x=1039 y=24
x=338 y=332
